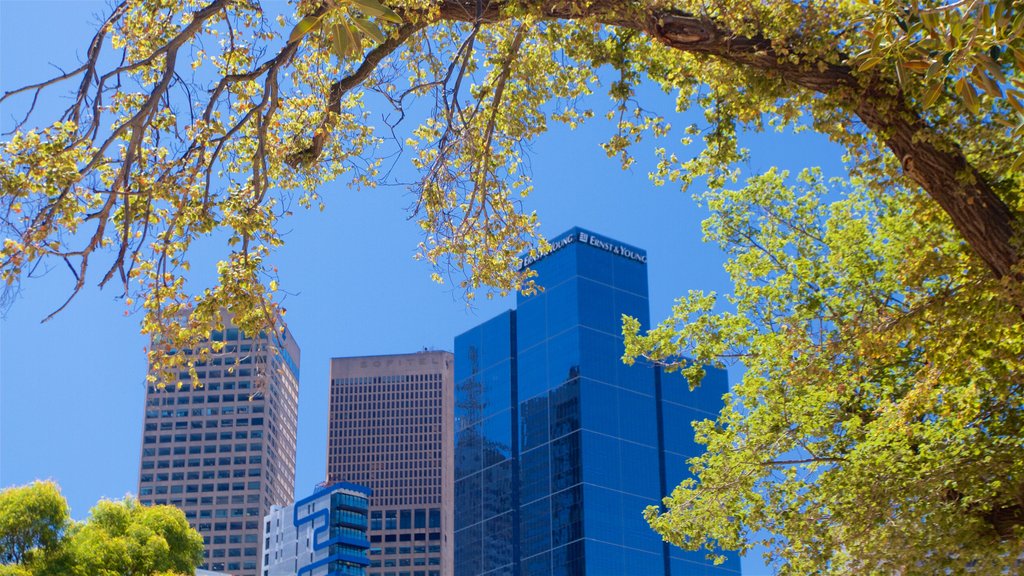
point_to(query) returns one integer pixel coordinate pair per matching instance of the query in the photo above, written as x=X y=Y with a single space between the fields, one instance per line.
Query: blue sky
x=71 y=390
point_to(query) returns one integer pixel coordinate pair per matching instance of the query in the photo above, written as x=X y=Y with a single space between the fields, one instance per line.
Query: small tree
x=120 y=538
x=33 y=519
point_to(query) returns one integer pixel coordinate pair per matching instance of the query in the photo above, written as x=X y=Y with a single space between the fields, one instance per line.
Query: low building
x=321 y=535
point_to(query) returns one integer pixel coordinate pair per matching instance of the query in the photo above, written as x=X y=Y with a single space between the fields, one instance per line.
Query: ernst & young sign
x=590 y=240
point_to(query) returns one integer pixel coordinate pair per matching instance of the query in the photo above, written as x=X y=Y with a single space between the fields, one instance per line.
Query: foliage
x=118 y=539
x=879 y=329
x=877 y=427
x=32 y=518
x=217 y=116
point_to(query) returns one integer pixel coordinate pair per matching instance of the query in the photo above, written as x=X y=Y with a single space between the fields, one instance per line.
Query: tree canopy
x=32 y=518
x=122 y=538
x=877 y=317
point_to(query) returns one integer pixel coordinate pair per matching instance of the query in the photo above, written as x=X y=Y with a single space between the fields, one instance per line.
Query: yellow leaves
x=917 y=65
x=966 y=91
x=305 y=26
x=375 y=8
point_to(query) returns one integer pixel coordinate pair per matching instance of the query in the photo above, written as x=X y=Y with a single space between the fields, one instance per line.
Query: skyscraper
x=559 y=446
x=390 y=429
x=225 y=453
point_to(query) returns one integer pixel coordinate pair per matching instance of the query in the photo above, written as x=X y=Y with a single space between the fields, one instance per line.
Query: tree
x=877 y=427
x=213 y=117
x=32 y=519
x=118 y=539
x=179 y=139
x=127 y=539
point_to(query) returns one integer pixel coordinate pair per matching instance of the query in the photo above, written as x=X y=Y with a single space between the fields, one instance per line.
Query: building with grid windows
x=323 y=534
x=225 y=452
x=559 y=446
x=390 y=428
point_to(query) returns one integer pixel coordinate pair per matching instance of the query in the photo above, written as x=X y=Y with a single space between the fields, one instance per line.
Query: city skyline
x=95 y=454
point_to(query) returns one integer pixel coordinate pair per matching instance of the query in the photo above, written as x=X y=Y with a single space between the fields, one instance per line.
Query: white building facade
x=321 y=535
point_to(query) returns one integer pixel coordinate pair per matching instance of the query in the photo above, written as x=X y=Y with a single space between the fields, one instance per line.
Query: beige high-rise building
x=225 y=453
x=390 y=428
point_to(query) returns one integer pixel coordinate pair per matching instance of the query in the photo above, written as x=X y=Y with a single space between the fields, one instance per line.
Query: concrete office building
x=323 y=534
x=225 y=453
x=559 y=446
x=390 y=429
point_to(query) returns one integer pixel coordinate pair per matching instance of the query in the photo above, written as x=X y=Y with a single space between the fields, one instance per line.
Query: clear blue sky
x=71 y=390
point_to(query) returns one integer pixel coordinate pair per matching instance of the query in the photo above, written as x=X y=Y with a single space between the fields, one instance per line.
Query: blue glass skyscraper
x=559 y=445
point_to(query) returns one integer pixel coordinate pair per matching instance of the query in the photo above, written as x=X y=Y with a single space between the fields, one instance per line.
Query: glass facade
x=559 y=446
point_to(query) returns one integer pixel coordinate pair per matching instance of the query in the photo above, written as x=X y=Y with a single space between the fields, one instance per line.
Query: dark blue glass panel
x=533 y=423
x=495 y=334
x=643 y=563
x=535 y=474
x=639 y=470
x=566 y=467
x=540 y=564
x=467 y=353
x=468 y=553
x=535 y=527
x=531 y=322
x=563 y=307
x=639 y=377
x=678 y=428
x=497 y=388
x=601 y=457
x=600 y=355
x=604 y=559
x=639 y=418
x=567 y=516
x=565 y=408
x=497 y=542
x=468 y=450
x=632 y=305
x=533 y=372
x=676 y=470
x=597 y=307
x=568 y=560
x=636 y=533
x=599 y=407
x=605 y=523
x=468 y=500
x=563 y=357
x=497 y=489
x=497 y=438
x=469 y=401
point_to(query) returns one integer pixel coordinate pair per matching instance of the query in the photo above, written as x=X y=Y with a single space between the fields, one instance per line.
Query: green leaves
x=33 y=519
x=368 y=28
x=305 y=26
x=375 y=8
x=122 y=537
x=345 y=31
x=879 y=373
